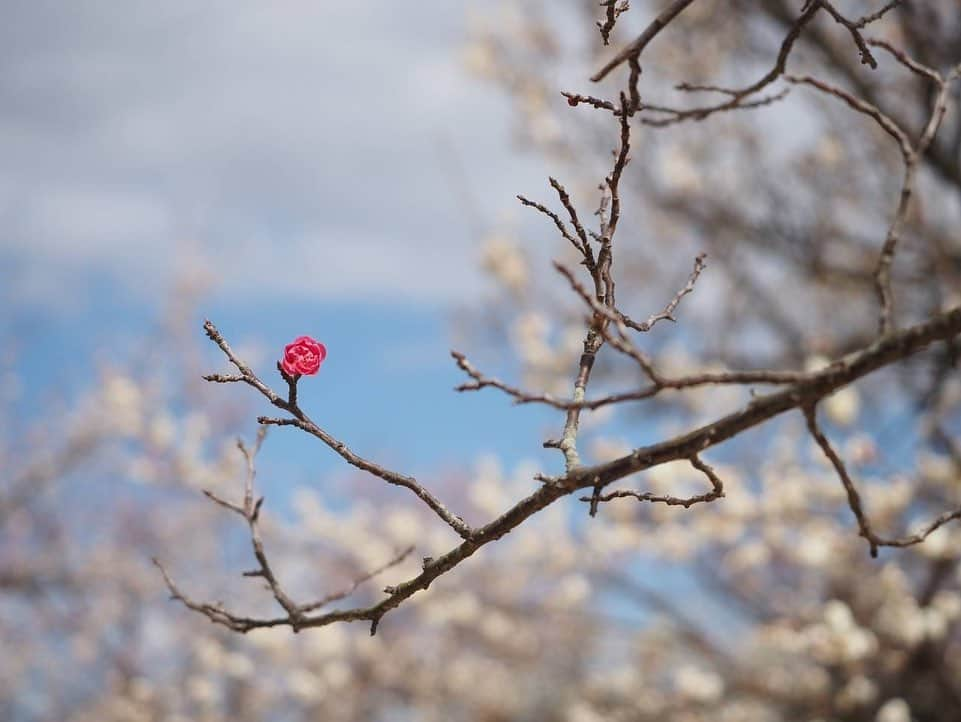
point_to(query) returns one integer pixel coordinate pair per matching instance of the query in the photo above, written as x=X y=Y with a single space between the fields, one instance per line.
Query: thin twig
x=636 y=47
x=613 y=10
x=250 y=511
x=391 y=477
x=668 y=313
x=717 y=491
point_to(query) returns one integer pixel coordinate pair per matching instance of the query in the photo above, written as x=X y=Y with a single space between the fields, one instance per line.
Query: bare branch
x=250 y=511
x=635 y=49
x=679 y=115
x=861 y=106
x=605 y=323
x=557 y=221
x=854 y=27
x=863 y=22
x=910 y=153
x=575 y=99
x=347 y=591
x=614 y=9
x=522 y=396
x=565 y=200
x=302 y=421
x=668 y=313
x=391 y=477
x=246 y=374
x=854 y=498
x=913 y=65
x=885 y=350
x=739 y=97
x=717 y=491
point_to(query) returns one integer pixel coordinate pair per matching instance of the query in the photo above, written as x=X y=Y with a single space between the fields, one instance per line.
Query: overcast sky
x=299 y=145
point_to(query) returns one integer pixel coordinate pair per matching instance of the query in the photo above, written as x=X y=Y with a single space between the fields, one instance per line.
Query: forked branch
x=249 y=509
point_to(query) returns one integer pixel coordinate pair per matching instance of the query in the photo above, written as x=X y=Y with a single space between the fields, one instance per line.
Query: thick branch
x=886 y=350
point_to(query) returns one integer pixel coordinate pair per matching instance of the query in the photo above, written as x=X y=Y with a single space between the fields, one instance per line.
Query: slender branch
x=875 y=16
x=861 y=106
x=854 y=27
x=910 y=63
x=250 y=511
x=885 y=350
x=605 y=323
x=717 y=491
x=668 y=313
x=247 y=376
x=522 y=396
x=679 y=115
x=391 y=477
x=739 y=97
x=301 y=420
x=561 y=227
x=565 y=200
x=854 y=497
x=613 y=10
x=575 y=99
x=347 y=591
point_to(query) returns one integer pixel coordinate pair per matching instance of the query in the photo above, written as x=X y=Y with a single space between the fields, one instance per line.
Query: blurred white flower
x=503 y=259
x=859 y=691
x=202 y=690
x=942 y=543
x=948 y=603
x=843 y=406
x=479 y=59
x=123 y=404
x=162 y=431
x=304 y=685
x=894 y=710
x=678 y=169
x=838 y=616
x=698 y=684
x=529 y=334
x=238 y=665
x=337 y=674
x=404 y=526
x=829 y=151
x=572 y=590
